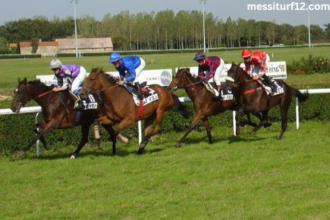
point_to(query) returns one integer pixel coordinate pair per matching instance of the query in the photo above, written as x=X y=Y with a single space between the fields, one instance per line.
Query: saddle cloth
x=88 y=103
x=279 y=88
x=149 y=96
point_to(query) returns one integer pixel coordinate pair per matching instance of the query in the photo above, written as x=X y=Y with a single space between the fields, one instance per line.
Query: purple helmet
x=199 y=56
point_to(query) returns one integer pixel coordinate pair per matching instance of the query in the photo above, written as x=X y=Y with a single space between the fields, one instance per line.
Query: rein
x=43 y=94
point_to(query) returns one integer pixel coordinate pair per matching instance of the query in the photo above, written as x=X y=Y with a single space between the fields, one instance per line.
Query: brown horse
x=58 y=113
x=121 y=109
x=255 y=98
x=204 y=103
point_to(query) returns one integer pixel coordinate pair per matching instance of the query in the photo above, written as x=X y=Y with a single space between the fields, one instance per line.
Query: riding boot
x=138 y=90
x=269 y=82
x=78 y=105
x=218 y=97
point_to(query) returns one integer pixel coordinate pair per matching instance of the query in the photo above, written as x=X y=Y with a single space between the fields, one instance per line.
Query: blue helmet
x=114 y=57
x=199 y=56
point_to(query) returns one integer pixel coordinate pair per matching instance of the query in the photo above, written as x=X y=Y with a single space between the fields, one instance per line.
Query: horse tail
x=301 y=96
x=179 y=107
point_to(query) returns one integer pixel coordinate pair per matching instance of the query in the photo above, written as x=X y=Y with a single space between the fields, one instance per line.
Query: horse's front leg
x=207 y=128
x=49 y=127
x=263 y=122
x=192 y=125
x=239 y=115
x=149 y=132
x=42 y=138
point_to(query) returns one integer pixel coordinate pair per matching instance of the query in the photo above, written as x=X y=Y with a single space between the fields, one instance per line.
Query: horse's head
x=181 y=79
x=92 y=82
x=235 y=75
x=21 y=96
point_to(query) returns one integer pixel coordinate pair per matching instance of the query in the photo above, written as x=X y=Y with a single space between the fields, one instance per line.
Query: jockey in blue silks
x=130 y=70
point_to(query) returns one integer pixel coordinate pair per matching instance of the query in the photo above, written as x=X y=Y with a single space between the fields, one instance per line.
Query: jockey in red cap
x=260 y=61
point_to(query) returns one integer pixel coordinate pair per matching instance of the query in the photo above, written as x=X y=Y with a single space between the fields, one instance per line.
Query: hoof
x=266 y=125
x=139 y=152
x=21 y=153
x=178 y=144
x=73 y=157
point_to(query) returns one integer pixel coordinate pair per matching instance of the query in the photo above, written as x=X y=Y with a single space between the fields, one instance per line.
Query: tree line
x=163 y=30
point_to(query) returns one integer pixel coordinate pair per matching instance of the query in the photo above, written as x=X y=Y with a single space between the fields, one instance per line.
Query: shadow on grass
x=122 y=151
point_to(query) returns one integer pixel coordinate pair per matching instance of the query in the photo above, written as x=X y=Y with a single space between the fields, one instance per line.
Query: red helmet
x=246 y=53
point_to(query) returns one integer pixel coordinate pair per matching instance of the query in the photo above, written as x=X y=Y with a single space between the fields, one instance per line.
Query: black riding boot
x=138 y=90
x=269 y=82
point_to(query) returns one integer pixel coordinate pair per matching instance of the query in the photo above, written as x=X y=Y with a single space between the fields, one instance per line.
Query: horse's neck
x=193 y=88
x=105 y=82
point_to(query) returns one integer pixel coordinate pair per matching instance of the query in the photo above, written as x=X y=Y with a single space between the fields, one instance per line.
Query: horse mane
x=189 y=75
x=38 y=83
x=99 y=70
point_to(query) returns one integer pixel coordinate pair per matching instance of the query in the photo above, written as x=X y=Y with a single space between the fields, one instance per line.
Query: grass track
x=244 y=177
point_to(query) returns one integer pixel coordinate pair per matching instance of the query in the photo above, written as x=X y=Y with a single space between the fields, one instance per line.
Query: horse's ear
x=25 y=80
x=19 y=80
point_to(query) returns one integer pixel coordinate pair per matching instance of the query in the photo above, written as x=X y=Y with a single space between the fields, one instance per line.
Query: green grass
x=244 y=177
x=10 y=70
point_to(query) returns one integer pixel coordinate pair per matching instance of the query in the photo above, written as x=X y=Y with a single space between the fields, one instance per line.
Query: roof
x=48 y=43
x=25 y=44
x=85 y=43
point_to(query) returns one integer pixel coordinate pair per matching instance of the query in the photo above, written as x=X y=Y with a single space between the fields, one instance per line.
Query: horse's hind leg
x=83 y=141
x=112 y=134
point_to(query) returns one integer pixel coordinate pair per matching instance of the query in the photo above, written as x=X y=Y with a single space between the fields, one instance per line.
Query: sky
x=16 y=9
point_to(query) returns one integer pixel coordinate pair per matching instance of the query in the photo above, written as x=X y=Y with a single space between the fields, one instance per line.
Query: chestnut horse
x=255 y=98
x=58 y=113
x=204 y=103
x=121 y=108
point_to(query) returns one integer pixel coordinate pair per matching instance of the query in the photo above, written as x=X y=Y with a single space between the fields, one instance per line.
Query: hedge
x=16 y=130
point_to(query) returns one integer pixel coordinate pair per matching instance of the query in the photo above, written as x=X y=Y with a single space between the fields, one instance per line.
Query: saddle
x=278 y=88
x=226 y=94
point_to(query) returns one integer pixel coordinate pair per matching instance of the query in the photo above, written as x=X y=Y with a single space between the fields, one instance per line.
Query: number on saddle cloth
x=89 y=102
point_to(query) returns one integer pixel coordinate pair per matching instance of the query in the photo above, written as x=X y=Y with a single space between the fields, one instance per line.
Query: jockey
x=260 y=61
x=130 y=70
x=210 y=67
x=69 y=76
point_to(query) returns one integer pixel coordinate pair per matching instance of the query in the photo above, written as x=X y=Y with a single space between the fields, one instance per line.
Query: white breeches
x=218 y=71
x=140 y=77
x=77 y=82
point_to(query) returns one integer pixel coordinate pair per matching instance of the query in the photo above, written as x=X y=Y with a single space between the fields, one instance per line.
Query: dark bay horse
x=121 y=109
x=255 y=98
x=204 y=103
x=58 y=113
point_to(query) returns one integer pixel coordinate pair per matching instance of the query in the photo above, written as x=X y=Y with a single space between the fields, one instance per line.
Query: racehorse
x=256 y=99
x=121 y=108
x=204 y=103
x=58 y=112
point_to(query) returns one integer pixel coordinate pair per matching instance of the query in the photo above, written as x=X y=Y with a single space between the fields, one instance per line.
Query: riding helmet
x=114 y=57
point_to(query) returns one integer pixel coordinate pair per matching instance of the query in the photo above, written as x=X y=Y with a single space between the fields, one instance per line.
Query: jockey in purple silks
x=69 y=76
